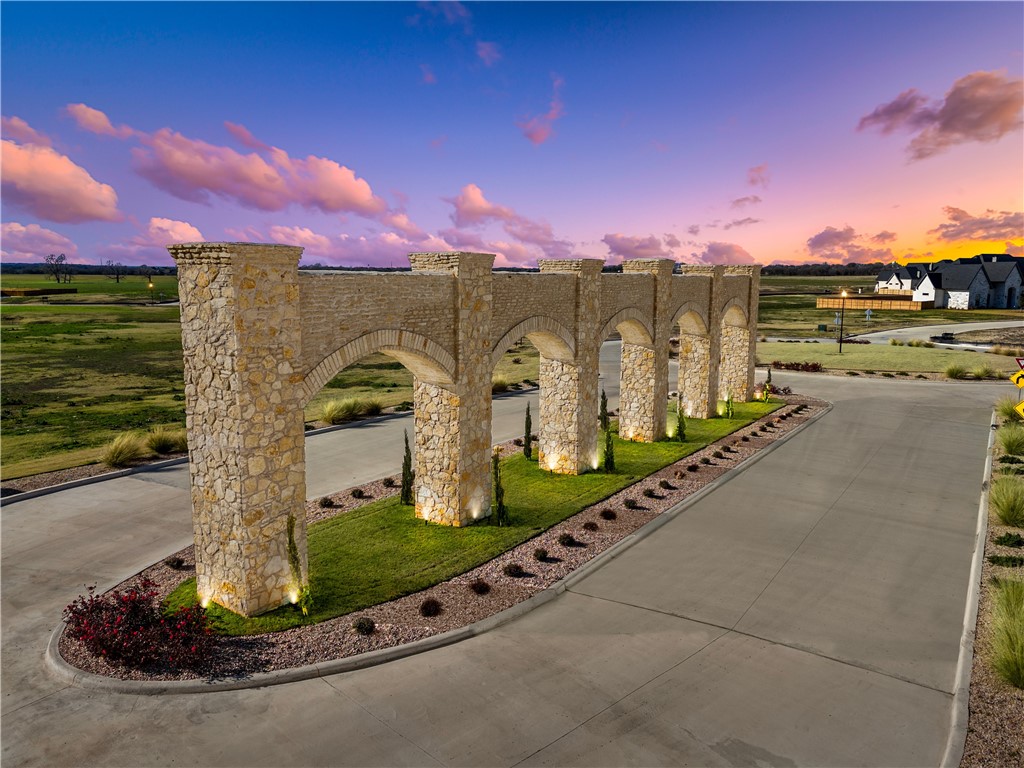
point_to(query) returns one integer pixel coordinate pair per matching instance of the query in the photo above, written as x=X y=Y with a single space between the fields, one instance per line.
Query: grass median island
x=879 y=357
x=380 y=551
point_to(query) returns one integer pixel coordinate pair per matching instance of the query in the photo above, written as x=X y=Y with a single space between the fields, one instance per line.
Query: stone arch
x=734 y=374
x=733 y=314
x=694 y=396
x=427 y=360
x=549 y=336
x=632 y=325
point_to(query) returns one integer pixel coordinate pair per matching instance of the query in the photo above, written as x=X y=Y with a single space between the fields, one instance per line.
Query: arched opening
x=392 y=371
x=641 y=382
x=692 y=382
x=557 y=421
x=734 y=356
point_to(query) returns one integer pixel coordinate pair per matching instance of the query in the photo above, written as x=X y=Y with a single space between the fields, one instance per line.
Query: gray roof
x=958 y=277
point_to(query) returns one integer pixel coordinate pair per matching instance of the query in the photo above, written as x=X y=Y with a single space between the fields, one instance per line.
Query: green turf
x=878 y=357
x=381 y=551
x=95 y=288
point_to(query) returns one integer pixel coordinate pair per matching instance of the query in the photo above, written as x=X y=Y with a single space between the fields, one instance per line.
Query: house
x=988 y=280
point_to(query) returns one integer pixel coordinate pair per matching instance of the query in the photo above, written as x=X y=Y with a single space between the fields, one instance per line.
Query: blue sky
x=704 y=132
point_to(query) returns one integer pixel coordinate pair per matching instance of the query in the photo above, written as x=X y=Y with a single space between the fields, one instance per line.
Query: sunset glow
x=703 y=132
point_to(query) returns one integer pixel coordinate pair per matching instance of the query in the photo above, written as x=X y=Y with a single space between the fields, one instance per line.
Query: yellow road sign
x=1018 y=379
x=1019 y=408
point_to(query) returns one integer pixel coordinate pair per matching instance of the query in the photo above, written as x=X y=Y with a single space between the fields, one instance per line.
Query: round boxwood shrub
x=540 y=554
x=364 y=625
x=515 y=570
x=631 y=504
x=479 y=586
x=567 y=540
x=590 y=525
x=430 y=607
x=608 y=514
x=326 y=502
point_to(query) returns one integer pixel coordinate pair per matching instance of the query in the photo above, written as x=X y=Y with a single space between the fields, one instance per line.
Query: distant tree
x=56 y=266
x=407 y=473
x=528 y=436
x=115 y=270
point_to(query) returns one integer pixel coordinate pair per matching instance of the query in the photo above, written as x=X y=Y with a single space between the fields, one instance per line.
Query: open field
x=75 y=376
x=879 y=357
x=95 y=289
x=381 y=551
x=815 y=284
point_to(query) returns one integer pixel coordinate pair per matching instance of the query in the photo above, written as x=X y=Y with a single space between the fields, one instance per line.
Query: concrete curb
x=88 y=681
x=25 y=495
x=960 y=711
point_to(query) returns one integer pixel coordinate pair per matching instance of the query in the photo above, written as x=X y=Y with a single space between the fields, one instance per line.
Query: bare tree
x=56 y=267
x=115 y=270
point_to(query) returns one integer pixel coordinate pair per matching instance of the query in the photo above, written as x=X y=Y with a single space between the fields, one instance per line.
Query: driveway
x=806 y=613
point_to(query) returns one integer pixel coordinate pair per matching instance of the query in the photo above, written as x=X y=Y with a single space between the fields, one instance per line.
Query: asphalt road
x=807 y=613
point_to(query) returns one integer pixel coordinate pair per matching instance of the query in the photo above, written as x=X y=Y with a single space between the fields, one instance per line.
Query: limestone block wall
x=260 y=339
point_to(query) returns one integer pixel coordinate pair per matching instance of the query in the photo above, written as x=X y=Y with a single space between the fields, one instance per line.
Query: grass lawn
x=879 y=357
x=381 y=551
x=96 y=289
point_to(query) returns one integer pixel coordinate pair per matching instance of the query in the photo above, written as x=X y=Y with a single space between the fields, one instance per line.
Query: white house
x=988 y=280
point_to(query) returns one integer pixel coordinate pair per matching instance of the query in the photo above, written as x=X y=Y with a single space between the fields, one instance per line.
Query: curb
x=25 y=495
x=92 y=682
x=960 y=711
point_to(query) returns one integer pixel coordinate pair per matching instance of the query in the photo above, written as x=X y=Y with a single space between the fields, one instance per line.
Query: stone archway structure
x=260 y=338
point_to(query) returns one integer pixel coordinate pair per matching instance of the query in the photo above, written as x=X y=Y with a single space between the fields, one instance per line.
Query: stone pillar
x=241 y=334
x=696 y=384
x=453 y=425
x=738 y=352
x=568 y=388
x=714 y=338
x=643 y=391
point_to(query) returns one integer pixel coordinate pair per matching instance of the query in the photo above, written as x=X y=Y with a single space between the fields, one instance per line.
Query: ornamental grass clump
x=124 y=449
x=163 y=440
x=955 y=372
x=1005 y=408
x=127 y=629
x=1008 y=631
x=1006 y=497
x=514 y=570
x=340 y=411
x=985 y=372
x=1011 y=439
x=540 y=555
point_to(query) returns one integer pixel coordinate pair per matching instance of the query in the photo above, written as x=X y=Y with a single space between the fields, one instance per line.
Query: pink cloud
x=30 y=242
x=473 y=209
x=884 y=237
x=1014 y=250
x=993 y=225
x=51 y=186
x=724 y=253
x=633 y=247
x=488 y=53
x=759 y=176
x=745 y=222
x=452 y=11
x=742 y=202
x=428 y=75
x=150 y=245
x=979 y=107
x=845 y=246
x=400 y=223
x=17 y=129
x=540 y=128
x=245 y=137
x=95 y=121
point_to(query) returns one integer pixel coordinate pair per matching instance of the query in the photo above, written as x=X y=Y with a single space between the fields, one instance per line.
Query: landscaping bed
x=401 y=621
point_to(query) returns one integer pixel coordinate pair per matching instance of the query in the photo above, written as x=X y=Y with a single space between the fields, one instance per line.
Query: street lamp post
x=151 y=300
x=842 y=318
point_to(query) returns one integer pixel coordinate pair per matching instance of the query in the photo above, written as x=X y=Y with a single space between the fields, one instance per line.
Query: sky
x=708 y=132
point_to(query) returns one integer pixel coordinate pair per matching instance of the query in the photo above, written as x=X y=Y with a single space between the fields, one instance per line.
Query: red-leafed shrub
x=128 y=629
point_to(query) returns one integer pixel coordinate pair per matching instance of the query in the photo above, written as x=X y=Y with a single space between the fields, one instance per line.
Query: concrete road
x=925 y=331
x=807 y=613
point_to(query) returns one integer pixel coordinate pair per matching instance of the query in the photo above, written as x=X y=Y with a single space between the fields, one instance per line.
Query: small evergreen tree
x=609 y=452
x=407 y=473
x=680 y=425
x=603 y=414
x=500 y=512
x=528 y=436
